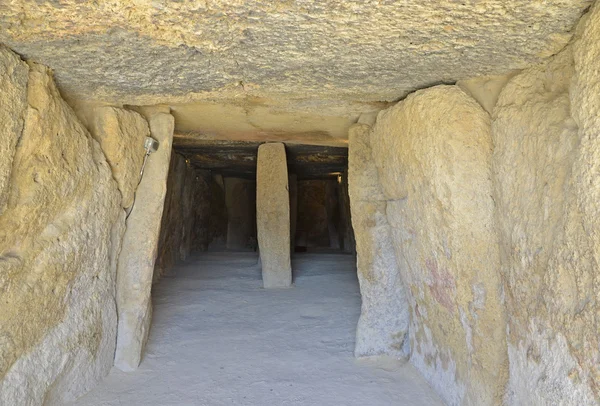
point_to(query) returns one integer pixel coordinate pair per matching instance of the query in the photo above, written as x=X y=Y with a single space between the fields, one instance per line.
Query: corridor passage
x=219 y=338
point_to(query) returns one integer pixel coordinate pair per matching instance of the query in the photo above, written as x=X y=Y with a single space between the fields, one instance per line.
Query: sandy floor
x=218 y=338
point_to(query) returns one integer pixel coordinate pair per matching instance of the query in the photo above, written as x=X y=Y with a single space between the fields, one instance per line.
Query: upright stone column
x=273 y=215
x=384 y=317
x=139 y=249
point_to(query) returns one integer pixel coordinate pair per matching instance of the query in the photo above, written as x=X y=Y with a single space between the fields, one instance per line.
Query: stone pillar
x=384 y=317
x=273 y=215
x=293 y=186
x=347 y=234
x=140 y=243
x=239 y=199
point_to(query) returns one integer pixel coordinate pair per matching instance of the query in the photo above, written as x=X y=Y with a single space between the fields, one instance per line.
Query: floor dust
x=218 y=338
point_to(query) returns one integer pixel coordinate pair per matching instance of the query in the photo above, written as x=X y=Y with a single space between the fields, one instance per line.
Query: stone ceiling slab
x=153 y=51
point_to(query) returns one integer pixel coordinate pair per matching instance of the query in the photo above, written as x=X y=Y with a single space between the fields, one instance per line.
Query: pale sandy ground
x=218 y=338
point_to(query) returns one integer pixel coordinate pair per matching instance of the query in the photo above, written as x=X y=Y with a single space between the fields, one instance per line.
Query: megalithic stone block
x=273 y=215
x=140 y=244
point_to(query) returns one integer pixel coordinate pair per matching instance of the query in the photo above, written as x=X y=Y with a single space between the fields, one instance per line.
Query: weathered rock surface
x=140 y=245
x=123 y=51
x=384 y=318
x=433 y=153
x=486 y=89
x=240 y=198
x=121 y=134
x=60 y=236
x=546 y=159
x=273 y=216
x=218 y=213
x=346 y=231
x=13 y=104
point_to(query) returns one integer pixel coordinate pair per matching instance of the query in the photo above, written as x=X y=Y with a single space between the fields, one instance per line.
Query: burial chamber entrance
x=275 y=199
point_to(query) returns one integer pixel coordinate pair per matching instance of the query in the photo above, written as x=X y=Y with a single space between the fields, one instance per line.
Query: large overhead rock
x=143 y=51
x=60 y=237
x=433 y=153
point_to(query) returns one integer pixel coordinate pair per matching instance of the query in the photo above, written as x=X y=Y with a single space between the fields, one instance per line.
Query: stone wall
x=436 y=177
x=217 y=225
x=61 y=226
x=495 y=215
x=185 y=221
x=240 y=199
x=545 y=127
x=312 y=221
x=348 y=244
x=383 y=323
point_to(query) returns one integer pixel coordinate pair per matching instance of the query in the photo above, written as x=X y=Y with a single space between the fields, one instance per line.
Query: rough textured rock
x=346 y=232
x=384 y=317
x=140 y=244
x=485 y=90
x=546 y=159
x=240 y=197
x=59 y=240
x=127 y=51
x=433 y=153
x=273 y=216
x=13 y=104
x=121 y=134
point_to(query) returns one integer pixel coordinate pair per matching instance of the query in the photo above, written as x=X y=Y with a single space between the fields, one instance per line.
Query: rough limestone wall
x=585 y=102
x=433 y=152
x=218 y=213
x=201 y=211
x=546 y=130
x=60 y=234
x=332 y=205
x=13 y=105
x=186 y=215
x=121 y=134
x=173 y=223
x=312 y=221
x=240 y=199
x=384 y=318
x=347 y=234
